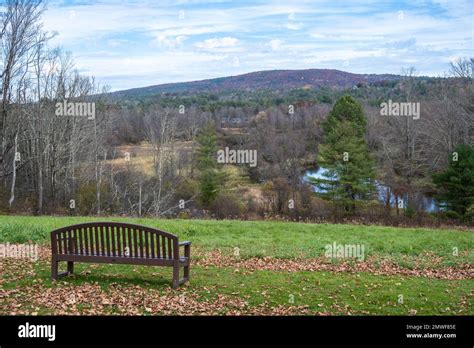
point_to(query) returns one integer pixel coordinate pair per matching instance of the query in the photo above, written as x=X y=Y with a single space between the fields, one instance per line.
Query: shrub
x=186 y=189
x=86 y=199
x=226 y=205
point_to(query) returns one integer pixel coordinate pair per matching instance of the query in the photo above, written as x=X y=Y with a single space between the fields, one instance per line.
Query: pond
x=420 y=201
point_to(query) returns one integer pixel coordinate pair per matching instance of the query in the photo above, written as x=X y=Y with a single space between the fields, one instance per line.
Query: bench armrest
x=187 y=248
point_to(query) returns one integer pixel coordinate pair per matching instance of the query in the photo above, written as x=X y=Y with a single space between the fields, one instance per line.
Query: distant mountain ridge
x=268 y=79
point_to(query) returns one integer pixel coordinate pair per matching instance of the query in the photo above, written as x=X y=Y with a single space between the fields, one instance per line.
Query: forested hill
x=271 y=79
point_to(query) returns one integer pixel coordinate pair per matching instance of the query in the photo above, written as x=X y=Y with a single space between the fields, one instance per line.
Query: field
x=253 y=268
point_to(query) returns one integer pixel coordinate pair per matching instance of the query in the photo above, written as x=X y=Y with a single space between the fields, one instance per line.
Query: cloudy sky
x=133 y=43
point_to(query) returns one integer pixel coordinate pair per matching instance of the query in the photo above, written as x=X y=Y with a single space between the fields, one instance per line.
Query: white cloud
x=215 y=43
x=120 y=41
x=169 y=41
x=275 y=44
x=151 y=68
x=293 y=26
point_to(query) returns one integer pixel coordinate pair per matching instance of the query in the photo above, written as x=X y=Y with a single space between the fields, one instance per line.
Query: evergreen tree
x=349 y=176
x=456 y=183
x=210 y=177
x=346 y=109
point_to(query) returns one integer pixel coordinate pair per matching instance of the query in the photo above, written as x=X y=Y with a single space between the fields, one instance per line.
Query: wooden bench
x=121 y=243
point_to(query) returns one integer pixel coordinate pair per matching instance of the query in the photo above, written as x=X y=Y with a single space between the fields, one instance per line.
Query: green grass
x=278 y=239
x=337 y=293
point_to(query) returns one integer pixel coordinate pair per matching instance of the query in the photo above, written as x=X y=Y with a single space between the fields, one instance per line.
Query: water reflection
x=419 y=201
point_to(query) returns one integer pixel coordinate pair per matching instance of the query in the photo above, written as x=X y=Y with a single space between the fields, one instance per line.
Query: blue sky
x=128 y=44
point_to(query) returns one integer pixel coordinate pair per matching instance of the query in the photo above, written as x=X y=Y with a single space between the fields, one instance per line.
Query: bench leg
x=54 y=269
x=176 y=280
x=70 y=267
x=187 y=254
x=55 y=275
x=186 y=273
x=175 y=276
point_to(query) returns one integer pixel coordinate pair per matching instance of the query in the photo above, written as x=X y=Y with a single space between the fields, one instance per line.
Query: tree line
x=71 y=164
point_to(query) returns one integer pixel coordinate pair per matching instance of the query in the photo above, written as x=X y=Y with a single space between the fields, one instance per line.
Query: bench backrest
x=114 y=239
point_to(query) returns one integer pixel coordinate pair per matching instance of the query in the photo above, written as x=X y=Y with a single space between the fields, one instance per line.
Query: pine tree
x=349 y=176
x=456 y=183
x=210 y=177
x=346 y=109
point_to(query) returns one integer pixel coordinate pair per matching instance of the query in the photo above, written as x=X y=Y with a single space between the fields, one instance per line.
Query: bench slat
x=112 y=237
x=108 y=251
x=102 y=240
x=77 y=240
x=59 y=244
x=163 y=246
x=129 y=233
x=74 y=241
x=140 y=241
x=93 y=240
x=63 y=242
x=152 y=245
x=86 y=241
x=170 y=254
x=147 y=250
x=67 y=244
x=81 y=246
x=124 y=239
x=119 y=240
x=158 y=246
x=96 y=238
x=135 y=242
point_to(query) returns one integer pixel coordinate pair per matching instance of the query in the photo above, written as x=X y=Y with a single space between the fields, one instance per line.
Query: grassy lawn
x=232 y=289
x=278 y=239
